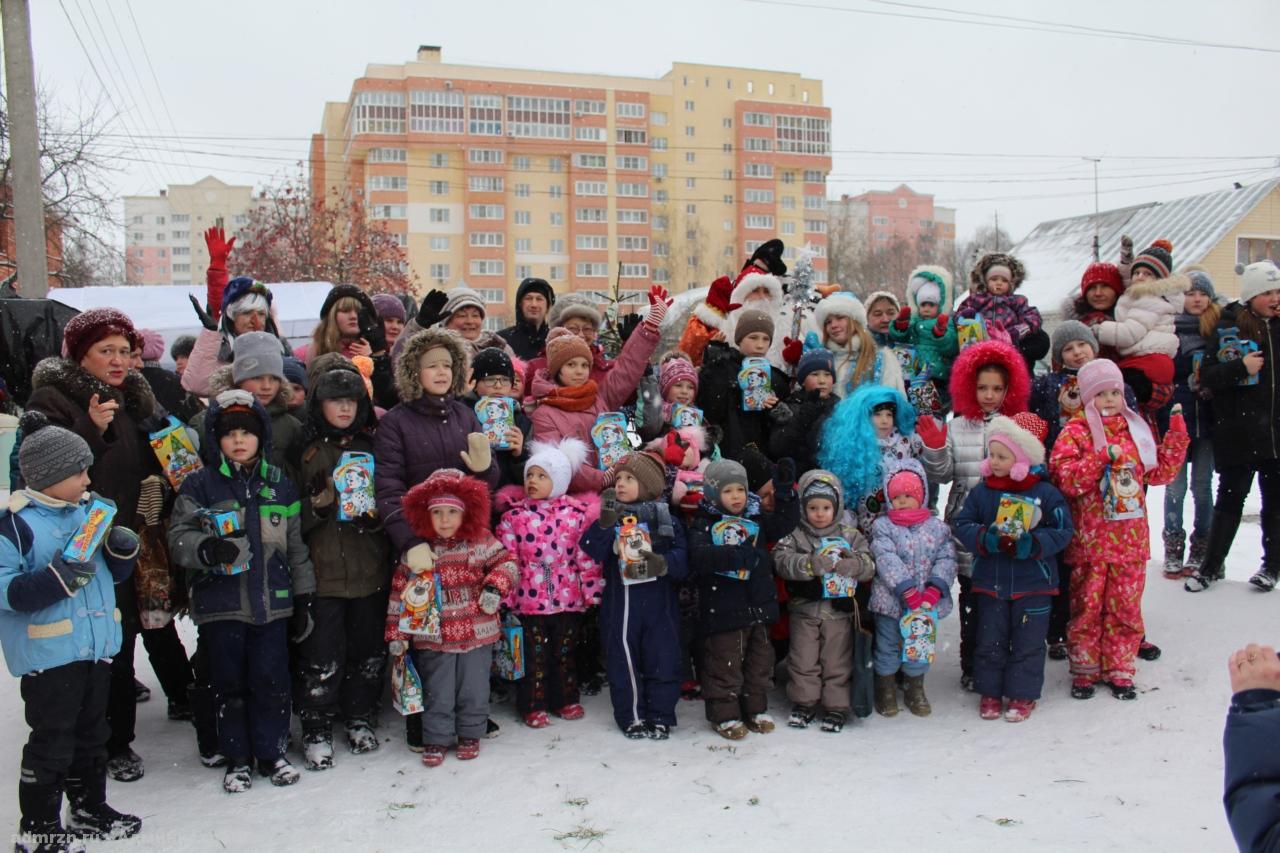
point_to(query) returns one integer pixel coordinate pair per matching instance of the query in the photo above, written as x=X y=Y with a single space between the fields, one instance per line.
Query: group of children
x=418 y=543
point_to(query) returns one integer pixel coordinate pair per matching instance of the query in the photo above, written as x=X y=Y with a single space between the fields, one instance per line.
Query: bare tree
x=87 y=261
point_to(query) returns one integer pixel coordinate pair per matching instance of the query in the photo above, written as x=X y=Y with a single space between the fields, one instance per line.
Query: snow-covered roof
x=1055 y=253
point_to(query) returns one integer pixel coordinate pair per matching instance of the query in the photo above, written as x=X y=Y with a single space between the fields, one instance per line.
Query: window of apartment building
x=485 y=183
x=159 y=220
x=815 y=202
x=661 y=276
x=689 y=130
x=879 y=220
x=557 y=218
x=788 y=227
x=803 y=134
x=727 y=123
x=690 y=183
x=484 y=155
x=691 y=262
x=659 y=170
x=632 y=216
x=759 y=220
x=163 y=270
x=387 y=155
x=728 y=251
x=439 y=244
x=493 y=295
x=757 y=119
x=520 y=163
x=788 y=177
x=757 y=143
x=757 y=170
x=926 y=224
x=691 y=209
x=182 y=251
x=160 y=253
x=751 y=196
x=819 y=251
x=439 y=272
x=590 y=188
x=633 y=189
x=555 y=164
x=631 y=136
x=538 y=118
x=159 y=236
x=378 y=112
x=658 y=118
x=814 y=176
x=635 y=271
x=1250 y=250
x=437 y=214
x=589 y=134
x=660 y=223
x=523 y=271
x=398 y=239
x=521 y=190
x=788 y=202
x=138 y=236
x=630 y=243
x=631 y=163
x=485 y=115
x=660 y=196
x=522 y=217
x=588 y=269
x=555 y=273
x=387 y=211
x=436 y=112
x=588 y=108
x=388 y=182
x=557 y=245
x=815 y=226
x=487 y=211
x=591 y=214
x=630 y=109
x=727 y=225
x=659 y=143
x=182 y=235
x=591 y=241
x=590 y=161
x=524 y=244
x=555 y=191
x=661 y=250
x=487 y=239
x=439 y=160
x=487 y=267
x=688 y=106
x=180 y=218
x=137 y=220
x=690 y=157
x=181 y=268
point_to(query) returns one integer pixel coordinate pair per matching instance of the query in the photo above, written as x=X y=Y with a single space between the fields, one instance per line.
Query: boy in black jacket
x=493 y=375
x=737 y=596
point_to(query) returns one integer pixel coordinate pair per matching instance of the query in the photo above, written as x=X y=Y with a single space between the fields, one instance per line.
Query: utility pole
x=997 y=237
x=28 y=200
x=1097 y=241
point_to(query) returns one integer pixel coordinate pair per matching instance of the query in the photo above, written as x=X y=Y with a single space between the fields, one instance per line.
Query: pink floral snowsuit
x=1109 y=557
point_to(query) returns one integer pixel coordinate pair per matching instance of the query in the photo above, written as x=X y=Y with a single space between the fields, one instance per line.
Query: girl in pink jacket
x=566 y=401
x=557 y=581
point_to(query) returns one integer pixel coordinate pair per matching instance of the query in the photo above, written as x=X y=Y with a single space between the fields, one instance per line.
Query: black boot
x=1222 y=533
x=1266 y=577
x=204 y=716
x=40 y=830
x=90 y=816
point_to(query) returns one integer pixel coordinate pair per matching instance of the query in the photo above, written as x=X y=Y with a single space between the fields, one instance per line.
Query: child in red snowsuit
x=1102 y=462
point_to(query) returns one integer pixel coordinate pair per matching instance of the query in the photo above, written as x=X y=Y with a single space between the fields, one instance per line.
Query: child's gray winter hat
x=49 y=454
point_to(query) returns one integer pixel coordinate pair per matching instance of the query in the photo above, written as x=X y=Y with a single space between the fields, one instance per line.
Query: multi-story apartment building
x=164 y=234
x=877 y=218
x=491 y=175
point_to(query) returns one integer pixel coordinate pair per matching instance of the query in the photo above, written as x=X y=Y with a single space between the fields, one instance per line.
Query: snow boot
x=1222 y=532
x=636 y=731
x=141 y=692
x=40 y=830
x=204 y=717
x=966 y=682
x=413 y=732
x=125 y=767
x=886 y=697
x=731 y=730
x=1264 y=580
x=89 y=815
x=658 y=731
x=360 y=736
x=317 y=741
x=1175 y=542
x=1019 y=710
x=572 y=711
x=179 y=712
x=491 y=729
x=280 y=772
x=537 y=719
x=1195 y=555
x=834 y=722
x=690 y=690
x=239 y=776
x=989 y=707
x=1082 y=688
x=913 y=696
x=1123 y=690
x=1148 y=650
x=1057 y=651
x=433 y=755
x=761 y=724
x=468 y=748
x=802 y=717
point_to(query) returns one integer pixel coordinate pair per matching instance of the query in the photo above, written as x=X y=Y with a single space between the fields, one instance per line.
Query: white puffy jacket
x=959 y=463
x=1144 y=318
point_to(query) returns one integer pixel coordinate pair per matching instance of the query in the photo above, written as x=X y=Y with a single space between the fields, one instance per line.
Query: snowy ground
x=1097 y=775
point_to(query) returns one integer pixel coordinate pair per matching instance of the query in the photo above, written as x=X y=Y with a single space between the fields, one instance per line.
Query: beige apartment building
x=164 y=234
x=490 y=175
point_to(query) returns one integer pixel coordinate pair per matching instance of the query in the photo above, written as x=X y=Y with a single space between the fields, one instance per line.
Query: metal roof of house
x=1056 y=253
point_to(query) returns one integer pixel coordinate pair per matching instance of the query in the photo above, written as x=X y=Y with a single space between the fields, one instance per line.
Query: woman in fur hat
x=842 y=321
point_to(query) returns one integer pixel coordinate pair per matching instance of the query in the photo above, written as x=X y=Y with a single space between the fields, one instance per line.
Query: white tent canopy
x=166 y=308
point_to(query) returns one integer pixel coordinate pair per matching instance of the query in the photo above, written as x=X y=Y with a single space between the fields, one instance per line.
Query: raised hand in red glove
x=933 y=436
x=1176 y=422
x=913 y=598
x=904 y=319
x=940 y=327
x=675 y=449
x=659 y=302
x=791 y=350
x=932 y=595
x=215 y=278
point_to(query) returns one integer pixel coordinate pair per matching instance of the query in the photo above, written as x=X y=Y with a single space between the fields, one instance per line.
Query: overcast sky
x=896 y=83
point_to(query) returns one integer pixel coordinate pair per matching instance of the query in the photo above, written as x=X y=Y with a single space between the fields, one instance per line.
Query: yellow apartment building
x=490 y=175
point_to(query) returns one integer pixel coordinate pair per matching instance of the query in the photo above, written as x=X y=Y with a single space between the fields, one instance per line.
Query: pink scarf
x=909 y=517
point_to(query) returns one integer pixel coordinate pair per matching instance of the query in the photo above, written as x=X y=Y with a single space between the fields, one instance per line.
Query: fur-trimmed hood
x=316 y=426
x=1144 y=317
x=407 y=384
x=449 y=481
x=79 y=385
x=939 y=276
x=808 y=478
x=222 y=379
x=964 y=378
x=978 y=275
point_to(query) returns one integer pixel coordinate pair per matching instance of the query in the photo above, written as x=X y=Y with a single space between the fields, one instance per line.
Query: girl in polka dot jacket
x=557 y=581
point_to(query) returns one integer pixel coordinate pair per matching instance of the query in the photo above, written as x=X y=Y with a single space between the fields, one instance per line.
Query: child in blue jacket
x=59 y=628
x=251 y=588
x=1014 y=524
x=640 y=610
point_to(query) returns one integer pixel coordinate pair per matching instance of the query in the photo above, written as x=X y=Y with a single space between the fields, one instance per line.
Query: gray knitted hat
x=720 y=474
x=1068 y=331
x=256 y=354
x=50 y=454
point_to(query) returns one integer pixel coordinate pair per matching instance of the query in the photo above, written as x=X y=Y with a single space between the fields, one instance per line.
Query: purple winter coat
x=1012 y=311
x=910 y=557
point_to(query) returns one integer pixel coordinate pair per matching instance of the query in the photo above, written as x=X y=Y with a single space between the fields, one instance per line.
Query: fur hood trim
x=964 y=378
x=939 y=276
x=407 y=384
x=79 y=385
x=449 y=481
x=1159 y=287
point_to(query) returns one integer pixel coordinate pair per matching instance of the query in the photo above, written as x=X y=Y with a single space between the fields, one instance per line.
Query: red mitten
x=791 y=350
x=659 y=301
x=674 y=451
x=913 y=599
x=1176 y=422
x=933 y=436
x=940 y=327
x=904 y=319
x=215 y=278
x=932 y=595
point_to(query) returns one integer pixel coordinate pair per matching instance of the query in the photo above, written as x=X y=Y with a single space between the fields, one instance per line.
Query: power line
x=146 y=55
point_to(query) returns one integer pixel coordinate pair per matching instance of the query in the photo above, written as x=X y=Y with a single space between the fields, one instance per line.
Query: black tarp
x=30 y=329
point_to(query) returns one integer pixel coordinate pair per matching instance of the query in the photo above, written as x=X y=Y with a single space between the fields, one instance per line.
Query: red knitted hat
x=1101 y=272
x=1033 y=424
x=87 y=328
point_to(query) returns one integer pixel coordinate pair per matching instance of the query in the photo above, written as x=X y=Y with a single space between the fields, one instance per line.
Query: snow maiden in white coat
x=842 y=323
